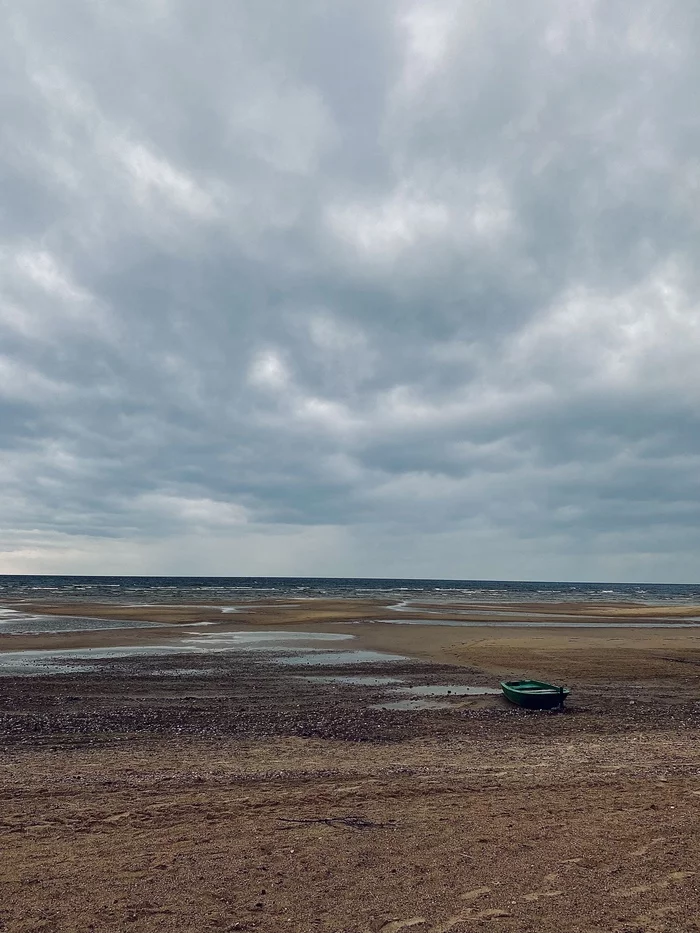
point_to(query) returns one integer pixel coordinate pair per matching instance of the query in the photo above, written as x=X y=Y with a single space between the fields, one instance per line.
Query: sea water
x=236 y=592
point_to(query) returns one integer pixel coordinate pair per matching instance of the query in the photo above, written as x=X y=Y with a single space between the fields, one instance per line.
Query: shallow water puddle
x=258 y=641
x=293 y=648
x=71 y=660
x=13 y=622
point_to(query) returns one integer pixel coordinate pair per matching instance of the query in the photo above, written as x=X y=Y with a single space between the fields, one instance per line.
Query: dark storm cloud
x=350 y=288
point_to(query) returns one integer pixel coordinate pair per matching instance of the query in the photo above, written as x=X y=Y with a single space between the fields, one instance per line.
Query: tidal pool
x=13 y=622
x=292 y=648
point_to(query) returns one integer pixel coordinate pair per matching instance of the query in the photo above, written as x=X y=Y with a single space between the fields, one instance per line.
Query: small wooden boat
x=534 y=694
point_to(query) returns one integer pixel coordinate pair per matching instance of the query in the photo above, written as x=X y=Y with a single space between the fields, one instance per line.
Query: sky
x=350 y=288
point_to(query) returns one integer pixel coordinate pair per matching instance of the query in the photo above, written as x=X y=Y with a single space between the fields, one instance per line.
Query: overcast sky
x=350 y=287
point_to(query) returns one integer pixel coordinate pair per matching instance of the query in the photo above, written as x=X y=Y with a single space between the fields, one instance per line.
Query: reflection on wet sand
x=285 y=647
x=513 y=620
x=14 y=622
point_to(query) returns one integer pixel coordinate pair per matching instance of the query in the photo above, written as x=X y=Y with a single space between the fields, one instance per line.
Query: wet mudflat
x=218 y=789
x=523 y=620
x=358 y=680
x=446 y=690
x=239 y=794
x=297 y=648
x=216 y=694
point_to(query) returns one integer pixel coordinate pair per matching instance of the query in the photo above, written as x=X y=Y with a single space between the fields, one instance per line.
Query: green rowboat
x=534 y=694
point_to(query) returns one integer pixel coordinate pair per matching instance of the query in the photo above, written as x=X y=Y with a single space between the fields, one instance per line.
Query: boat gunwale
x=533 y=687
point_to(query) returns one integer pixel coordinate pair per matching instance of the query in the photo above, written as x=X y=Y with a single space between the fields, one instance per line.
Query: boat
x=534 y=694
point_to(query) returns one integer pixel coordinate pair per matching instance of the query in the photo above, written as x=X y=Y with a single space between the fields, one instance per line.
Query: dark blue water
x=239 y=590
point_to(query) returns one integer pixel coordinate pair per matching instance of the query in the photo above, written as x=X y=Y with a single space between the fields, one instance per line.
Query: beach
x=278 y=786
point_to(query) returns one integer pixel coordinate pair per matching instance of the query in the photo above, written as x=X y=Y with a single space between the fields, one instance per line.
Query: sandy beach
x=225 y=791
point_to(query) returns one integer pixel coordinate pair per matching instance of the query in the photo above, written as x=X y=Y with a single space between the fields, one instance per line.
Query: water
x=72 y=660
x=22 y=623
x=292 y=648
x=253 y=641
x=237 y=591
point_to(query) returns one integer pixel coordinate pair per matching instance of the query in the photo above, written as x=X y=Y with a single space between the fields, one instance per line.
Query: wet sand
x=604 y=646
x=286 y=611
x=242 y=795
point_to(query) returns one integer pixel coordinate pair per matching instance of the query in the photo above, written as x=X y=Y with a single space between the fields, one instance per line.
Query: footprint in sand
x=470 y=914
x=395 y=926
x=644 y=849
x=674 y=877
x=654 y=920
x=549 y=879
x=656 y=914
x=536 y=895
x=118 y=817
x=474 y=894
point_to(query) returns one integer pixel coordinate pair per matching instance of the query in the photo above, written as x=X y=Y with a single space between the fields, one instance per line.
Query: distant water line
x=239 y=591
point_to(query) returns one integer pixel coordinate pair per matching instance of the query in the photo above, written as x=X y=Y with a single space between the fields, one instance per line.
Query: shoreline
x=303 y=608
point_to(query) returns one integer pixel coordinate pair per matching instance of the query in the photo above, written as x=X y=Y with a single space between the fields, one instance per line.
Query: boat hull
x=534 y=694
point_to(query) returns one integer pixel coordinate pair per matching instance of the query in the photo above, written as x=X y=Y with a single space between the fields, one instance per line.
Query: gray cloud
x=350 y=288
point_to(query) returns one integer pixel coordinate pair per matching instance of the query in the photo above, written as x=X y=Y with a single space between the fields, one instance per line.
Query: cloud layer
x=398 y=288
